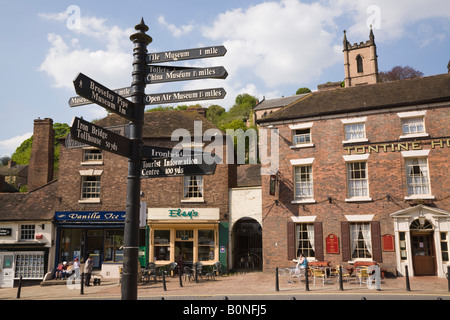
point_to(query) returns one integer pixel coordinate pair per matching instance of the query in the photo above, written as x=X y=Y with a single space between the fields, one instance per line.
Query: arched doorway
x=247 y=245
x=422 y=248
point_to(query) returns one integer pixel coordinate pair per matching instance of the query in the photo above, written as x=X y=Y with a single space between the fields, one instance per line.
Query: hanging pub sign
x=332 y=243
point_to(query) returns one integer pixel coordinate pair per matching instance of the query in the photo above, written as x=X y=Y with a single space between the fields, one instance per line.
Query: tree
x=214 y=113
x=303 y=90
x=400 y=73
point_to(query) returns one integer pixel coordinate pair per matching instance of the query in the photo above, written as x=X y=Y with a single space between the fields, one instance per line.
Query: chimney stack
x=40 y=169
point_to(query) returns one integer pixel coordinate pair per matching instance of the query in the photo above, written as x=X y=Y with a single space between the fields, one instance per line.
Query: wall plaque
x=332 y=243
x=388 y=242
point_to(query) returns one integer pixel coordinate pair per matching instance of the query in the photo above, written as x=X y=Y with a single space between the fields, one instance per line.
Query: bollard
x=179 y=275
x=196 y=273
x=82 y=283
x=277 y=284
x=306 y=279
x=341 y=286
x=164 y=281
x=408 y=288
x=19 y=288
x=448 y=277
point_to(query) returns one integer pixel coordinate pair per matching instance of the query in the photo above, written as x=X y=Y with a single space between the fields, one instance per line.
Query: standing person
x=76 y=268
x=89 y=265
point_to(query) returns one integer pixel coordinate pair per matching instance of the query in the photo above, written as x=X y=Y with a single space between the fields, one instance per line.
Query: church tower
x=360 y=62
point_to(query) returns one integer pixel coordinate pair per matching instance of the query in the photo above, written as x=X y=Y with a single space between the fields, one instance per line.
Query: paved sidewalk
x=250 y=284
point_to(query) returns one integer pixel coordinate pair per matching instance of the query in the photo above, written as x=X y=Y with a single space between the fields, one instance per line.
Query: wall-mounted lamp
x=330 y=200
x=277 y=202
x=421 y=218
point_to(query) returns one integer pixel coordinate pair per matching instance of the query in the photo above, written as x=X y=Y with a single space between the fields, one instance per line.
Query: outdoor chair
x=188 y=273
x=318 y=273
x=215 y=268
x=362 y=273
x=198 y=270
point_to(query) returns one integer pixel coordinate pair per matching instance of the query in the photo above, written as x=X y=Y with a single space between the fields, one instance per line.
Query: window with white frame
x=357 y=180
x=303 y=183
x=360 y=240
x=417 y=178
x=90 y=187
x=355 y=131
x=27 y=232
x=413 y=124
x=92 y=155
x=301 y=135
x=193 y=187
x=304 y=239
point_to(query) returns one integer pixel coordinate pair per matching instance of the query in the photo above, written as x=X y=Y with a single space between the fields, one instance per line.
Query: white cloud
x=176 y=31
x=9 y=146
x=66 y=58
x=281 y=43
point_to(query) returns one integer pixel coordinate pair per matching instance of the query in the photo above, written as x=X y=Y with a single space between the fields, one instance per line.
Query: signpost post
x=155 y=161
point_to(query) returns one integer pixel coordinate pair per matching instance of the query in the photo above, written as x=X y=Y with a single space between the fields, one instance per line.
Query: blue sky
x=274 y=47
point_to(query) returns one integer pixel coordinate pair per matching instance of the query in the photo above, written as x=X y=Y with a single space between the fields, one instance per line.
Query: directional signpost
x=88 y=133
x=188 y=54
x=145 y=161
x=185 y=96
x=99 y=94
x=188 y=74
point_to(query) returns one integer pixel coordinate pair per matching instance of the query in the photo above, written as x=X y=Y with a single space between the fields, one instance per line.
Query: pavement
x=253 y=286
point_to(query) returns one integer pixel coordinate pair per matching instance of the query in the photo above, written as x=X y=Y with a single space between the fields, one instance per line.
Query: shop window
x=304 y=239
x=360 y=240
x=27 y=232
x=193 y=187
x=206 y=245
x=90 y=187
x=303 y=183
x=357 y=180
x=29 y=265
x=161 y=241
x=114 y=246
x=444 y=247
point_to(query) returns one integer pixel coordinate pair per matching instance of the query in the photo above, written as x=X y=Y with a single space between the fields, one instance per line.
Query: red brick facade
x=330 y=211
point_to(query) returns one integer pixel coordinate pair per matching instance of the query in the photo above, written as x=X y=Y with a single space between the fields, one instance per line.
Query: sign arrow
x=168 y=167
x=96 y=136
x=187 y=54
x=183 y=96
x=99 y=94
x=188 y=74
x=80 y=101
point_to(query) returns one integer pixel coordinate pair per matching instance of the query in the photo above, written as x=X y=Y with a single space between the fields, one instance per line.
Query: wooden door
x=423 y=254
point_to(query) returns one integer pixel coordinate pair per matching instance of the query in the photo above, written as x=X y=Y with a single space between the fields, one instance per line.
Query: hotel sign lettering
x=91 y=216
x=396 y=146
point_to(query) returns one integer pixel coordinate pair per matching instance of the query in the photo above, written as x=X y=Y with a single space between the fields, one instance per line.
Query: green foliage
x=23 y=152
x=303 y=90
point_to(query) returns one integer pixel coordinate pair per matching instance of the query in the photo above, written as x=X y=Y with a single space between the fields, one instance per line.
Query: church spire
x=345 y=41
x=371 y=36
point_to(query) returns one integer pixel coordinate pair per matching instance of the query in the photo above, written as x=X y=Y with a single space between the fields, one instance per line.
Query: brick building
x=181 y=217
x=364 y=174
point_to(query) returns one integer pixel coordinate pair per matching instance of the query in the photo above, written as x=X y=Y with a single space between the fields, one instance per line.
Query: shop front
x=80 y=234
x=184 y=235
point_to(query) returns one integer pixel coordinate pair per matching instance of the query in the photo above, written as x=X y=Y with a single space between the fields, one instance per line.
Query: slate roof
x=40 y=204
x=432 y=89
x=279 y=102
x=161 y=124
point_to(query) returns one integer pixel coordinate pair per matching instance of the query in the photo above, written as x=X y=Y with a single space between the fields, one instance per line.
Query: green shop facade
x=181 y=235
